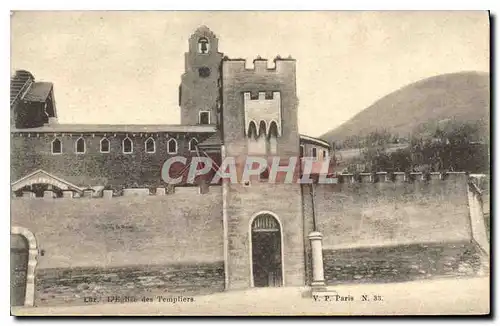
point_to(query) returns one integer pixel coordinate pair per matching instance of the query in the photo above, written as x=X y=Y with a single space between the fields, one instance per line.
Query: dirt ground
x=427 y=297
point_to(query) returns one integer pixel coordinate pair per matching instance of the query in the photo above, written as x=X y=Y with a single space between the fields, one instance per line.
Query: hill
x=462 y=96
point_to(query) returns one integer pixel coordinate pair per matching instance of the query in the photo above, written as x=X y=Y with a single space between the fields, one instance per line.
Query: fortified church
x=91 y=202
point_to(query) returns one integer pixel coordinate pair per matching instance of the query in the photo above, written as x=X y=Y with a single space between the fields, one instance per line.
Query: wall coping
x=127 y=192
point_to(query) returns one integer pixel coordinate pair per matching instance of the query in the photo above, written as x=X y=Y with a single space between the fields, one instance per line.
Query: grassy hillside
x=463 y=96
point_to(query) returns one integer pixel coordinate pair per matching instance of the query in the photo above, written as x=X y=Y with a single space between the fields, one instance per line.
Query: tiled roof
x=38 y=92
x=19 y=84
x=212 y=141
x=76 y=128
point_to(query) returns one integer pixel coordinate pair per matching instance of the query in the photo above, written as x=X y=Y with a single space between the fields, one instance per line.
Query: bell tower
x=199 y=92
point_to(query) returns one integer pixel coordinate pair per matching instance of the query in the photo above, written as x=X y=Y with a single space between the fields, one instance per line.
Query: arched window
x=172 y=146
x=105 y=145
x=256 y=141
x=56 y=146
x=80 y=146
x=150 y=145
x=252 y=130
x=127 y=145
x=262 y=128
x=273 y=138
x=192 y=144
x=203 y=45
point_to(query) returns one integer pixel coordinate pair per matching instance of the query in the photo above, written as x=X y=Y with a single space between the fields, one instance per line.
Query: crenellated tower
x=199 y=92
x=265 y=244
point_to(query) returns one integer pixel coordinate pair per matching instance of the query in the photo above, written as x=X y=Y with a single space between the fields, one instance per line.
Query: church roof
x=214 y=141
x=38 y=92
x=146 y=128
x=19 y=84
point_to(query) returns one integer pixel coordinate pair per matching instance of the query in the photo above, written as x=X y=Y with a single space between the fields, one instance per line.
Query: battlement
x=262 y=96
x=260 y=65
x=393 y=209
x=400 y=177
x=128 y=192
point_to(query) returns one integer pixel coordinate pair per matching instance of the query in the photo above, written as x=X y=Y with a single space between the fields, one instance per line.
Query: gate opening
x=266 y=252
x=19 y=255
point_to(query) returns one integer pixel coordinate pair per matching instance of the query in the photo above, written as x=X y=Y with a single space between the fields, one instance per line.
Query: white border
x=283 y=284
x=199 y=5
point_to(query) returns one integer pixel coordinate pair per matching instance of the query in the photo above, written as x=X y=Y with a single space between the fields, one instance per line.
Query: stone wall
x=368 y=214
x=400 y=263
x=59 y=286
x=238 y=80
x=95 y=168
x=402 y=227
x=86 y=240
x=282 y=200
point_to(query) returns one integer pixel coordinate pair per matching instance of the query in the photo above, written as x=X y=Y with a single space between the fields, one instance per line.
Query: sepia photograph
x=250 y=163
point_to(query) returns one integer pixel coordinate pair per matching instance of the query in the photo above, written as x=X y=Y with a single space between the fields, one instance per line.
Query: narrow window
x=204 y=118
x=128 y=147
x=80 y=146
x=203 y=45
x=56 y=146
x=192 y=144
x=273 y=138
x=172 y=146
x=301 y=151
x=150 y=145
x=314 y=152
x=105 y=145
x=324 y=155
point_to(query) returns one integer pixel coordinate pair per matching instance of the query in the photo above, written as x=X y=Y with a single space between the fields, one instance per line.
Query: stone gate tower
x=264 y=240
x=199 y=92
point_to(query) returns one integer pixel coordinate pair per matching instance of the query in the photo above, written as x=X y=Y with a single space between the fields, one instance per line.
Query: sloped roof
x=38 y=92
x=41 y=176
x=212 y=141
x=19 y=84
x=313 y=140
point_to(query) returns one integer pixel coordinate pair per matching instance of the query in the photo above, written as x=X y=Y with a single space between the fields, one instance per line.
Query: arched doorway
x=19 y=256
x=266 y=251
x=23 y=261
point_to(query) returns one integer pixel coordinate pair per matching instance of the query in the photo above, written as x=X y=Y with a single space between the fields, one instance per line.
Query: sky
x=125 y=67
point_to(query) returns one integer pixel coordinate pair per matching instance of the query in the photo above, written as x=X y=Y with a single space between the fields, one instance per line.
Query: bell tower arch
x=199 y=92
